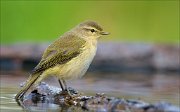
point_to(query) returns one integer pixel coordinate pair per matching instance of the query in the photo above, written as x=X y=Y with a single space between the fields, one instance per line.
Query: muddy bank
x=111 y=57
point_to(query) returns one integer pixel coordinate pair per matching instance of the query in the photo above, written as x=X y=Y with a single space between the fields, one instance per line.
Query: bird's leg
x=61 y=84
x=65 y=85
x=66 y=89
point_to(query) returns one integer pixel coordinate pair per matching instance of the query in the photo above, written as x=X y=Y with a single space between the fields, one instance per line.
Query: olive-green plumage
x=67 y=57
x=69 y=47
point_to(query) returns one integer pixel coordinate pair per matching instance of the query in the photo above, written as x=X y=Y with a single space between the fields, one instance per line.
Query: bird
x=68 y=57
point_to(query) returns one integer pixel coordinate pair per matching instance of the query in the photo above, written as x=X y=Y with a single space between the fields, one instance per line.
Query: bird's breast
x=77 y=67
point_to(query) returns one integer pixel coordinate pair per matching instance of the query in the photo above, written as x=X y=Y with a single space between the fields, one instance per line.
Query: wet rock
x=45 y=94
x=166 y=107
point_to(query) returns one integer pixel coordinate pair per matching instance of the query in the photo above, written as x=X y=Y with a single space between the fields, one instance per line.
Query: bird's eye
x=92 y=30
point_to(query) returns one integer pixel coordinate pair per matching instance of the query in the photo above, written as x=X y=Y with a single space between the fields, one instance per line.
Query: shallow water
x=150 y=88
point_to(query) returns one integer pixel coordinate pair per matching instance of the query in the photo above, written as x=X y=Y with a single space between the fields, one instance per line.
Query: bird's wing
x=60 y=52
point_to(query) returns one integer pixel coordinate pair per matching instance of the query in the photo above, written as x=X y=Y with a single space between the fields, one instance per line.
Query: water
x=150 y=88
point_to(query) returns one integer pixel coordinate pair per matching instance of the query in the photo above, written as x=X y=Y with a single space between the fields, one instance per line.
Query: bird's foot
x=69 y=92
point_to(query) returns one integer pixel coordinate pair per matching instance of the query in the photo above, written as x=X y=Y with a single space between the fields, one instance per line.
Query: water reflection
x=43 y=107
x=150 y=88
x=7 y=101
x=49 y=107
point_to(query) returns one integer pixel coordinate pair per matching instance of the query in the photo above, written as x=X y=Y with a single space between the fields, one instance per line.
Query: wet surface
x=148 y=88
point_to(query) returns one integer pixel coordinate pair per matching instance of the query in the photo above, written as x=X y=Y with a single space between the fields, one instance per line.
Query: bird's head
x=89 y=29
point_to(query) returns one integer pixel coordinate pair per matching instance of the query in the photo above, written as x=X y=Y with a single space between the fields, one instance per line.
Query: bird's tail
x=32 y=78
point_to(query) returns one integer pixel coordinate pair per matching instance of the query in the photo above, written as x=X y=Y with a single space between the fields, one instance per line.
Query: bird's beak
x=104 y=33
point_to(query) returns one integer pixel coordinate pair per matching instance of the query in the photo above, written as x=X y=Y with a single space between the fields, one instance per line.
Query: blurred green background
x=127 y=21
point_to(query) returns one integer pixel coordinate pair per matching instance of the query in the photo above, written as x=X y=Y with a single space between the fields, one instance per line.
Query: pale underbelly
x=76 y=68
x=73 y=69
